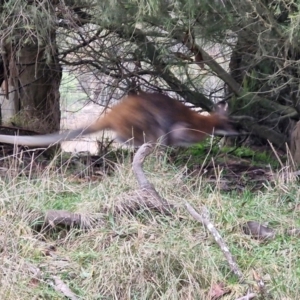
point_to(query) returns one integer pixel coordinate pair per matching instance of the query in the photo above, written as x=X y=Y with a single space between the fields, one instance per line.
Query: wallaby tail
x=54 y=138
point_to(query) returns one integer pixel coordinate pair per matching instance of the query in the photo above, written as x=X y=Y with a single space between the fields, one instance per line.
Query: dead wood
x=204 y=219
x=64 y=219
x=258 y=231
x=146 y=197
x=39 y=277
x=247 y=297
x=63 y=288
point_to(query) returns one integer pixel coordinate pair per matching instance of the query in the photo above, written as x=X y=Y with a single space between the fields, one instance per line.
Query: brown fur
x=147 y=117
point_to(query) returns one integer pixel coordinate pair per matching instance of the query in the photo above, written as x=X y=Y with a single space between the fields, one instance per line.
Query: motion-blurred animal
x=146 y=117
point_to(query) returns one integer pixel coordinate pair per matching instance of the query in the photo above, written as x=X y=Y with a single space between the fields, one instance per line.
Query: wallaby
x=146 y=117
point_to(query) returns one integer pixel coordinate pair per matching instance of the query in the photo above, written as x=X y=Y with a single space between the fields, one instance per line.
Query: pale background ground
x=74 y=120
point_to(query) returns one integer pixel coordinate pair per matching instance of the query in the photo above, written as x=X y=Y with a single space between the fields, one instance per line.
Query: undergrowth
x=198 y=152
x=146 y=255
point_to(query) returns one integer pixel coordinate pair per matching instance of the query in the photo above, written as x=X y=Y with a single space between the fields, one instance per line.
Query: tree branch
x=85 y=42
x=155 y=56
x=208 y=60
x=106 y=70
x=230 y=81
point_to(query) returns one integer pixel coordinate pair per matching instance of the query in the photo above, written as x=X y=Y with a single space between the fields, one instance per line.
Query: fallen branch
x=63 y=288
x=137 y=165
x=146 y=196
x=62 y=217
x=55 y=282
x=204 y=219
x=258 y=231
x=247 y=297
x=53 y=218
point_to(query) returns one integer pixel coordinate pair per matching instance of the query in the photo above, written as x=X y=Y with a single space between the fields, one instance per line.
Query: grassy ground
x=145 y=256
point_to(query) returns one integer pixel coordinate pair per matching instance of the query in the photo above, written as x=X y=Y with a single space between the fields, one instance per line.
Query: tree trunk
x=33 y=75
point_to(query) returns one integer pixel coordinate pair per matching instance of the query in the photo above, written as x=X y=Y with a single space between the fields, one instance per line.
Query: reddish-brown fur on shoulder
x=148 y=117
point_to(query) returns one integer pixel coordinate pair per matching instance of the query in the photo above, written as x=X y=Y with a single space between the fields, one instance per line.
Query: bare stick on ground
x=146 y=196
x=247 y=297
x=38 y=276
x=63 y=288
x=204 y=219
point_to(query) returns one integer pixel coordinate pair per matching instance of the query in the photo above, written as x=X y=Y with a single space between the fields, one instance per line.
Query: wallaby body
x=147 y=117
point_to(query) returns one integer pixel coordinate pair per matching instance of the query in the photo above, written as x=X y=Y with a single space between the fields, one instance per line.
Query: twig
x=247 y=297
x=55 y=282
x=63 y=288
x=204 y=219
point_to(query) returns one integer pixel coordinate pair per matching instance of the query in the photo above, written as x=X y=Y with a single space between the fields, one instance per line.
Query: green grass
x=199 y=152
x=145 y=256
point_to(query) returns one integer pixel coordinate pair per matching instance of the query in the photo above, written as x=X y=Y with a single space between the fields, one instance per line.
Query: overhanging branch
x=153 y=54
x=272 y=106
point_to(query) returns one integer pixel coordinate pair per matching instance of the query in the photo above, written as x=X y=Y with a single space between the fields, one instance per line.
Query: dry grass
x=145 y=256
